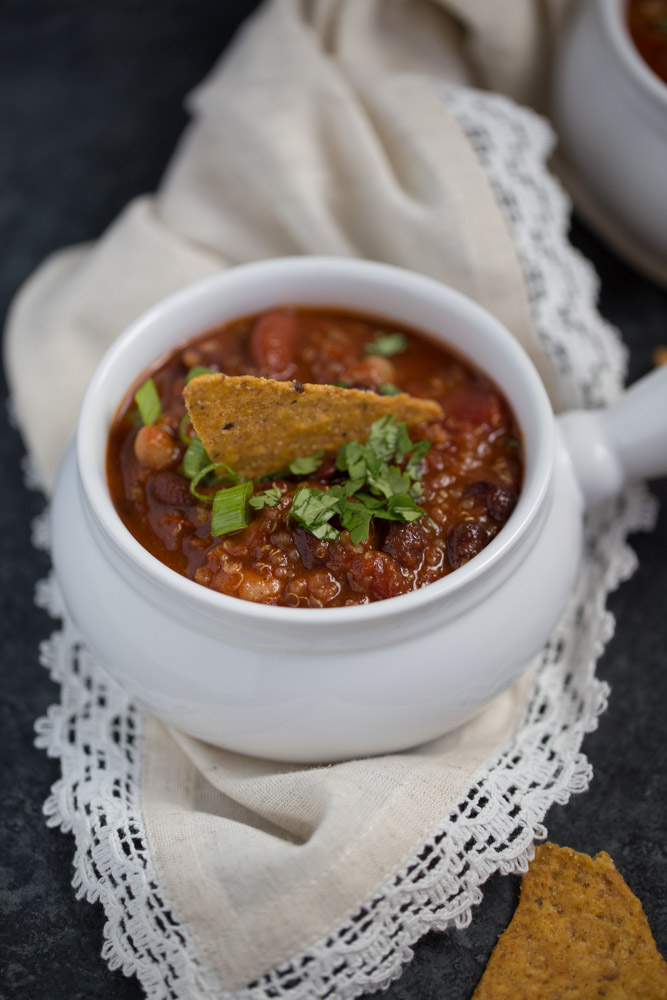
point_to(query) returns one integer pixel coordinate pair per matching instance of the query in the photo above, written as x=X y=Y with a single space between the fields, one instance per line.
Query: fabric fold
x=260 y=860
x=315 y=134
x=72 y=309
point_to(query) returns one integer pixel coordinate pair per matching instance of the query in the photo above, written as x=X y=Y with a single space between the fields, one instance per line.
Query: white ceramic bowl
x=610 y=112
x=326 y=684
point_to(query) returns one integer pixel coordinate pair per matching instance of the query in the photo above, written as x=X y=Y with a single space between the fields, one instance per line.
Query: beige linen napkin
x=319 y=132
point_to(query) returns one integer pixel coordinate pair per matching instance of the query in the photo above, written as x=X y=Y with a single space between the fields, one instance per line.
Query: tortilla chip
x=578 y=933
x=259 y=425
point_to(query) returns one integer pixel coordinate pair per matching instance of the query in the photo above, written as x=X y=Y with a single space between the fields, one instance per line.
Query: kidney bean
x=464 y=541
x=172 y=529
x=327 y=471
x=406 y=544
x=368 y=570
x=478 y=489
x=381 y=577
x=271 y=344
x=170 y=488
x=500 y=501
x=313 y=551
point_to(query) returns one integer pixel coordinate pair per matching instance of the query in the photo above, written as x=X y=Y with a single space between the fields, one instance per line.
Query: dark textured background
x=91 y=96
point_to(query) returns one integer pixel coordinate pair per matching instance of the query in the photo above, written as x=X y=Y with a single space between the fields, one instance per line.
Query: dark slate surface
x=90 y=109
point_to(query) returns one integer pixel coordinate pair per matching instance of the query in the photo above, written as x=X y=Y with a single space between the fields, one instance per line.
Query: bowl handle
x=621 y=444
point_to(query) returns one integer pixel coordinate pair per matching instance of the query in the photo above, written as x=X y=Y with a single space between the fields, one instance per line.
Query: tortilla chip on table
x=578 y=933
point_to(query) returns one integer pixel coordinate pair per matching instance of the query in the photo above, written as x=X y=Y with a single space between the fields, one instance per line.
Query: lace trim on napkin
x=97 y=732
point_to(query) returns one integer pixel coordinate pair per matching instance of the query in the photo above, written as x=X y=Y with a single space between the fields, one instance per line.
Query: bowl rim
x=613 y=15
x=531 y=499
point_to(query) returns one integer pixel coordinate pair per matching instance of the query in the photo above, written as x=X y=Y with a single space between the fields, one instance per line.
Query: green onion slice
x=195 y=458
x=228 y=474
x=230 y=509
x=183 y=429
x=148 y=402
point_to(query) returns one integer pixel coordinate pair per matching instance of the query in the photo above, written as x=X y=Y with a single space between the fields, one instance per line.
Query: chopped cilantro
x=313 y=509
x=414 y=464
x=389 y=438
x=304 y=466
x=390 y=481
x=356 y=518
x=388 y=389
x=374 y=488
x=387 y=344
x=358 y=460
x=267 y=498
x=402 y=507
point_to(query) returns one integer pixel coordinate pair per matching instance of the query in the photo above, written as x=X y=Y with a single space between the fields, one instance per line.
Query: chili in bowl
x=347 y=640
x=375 y=519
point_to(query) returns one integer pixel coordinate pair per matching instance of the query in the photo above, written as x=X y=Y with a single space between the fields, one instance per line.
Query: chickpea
x=371 y=371
x=155 y=446
x=191 y=357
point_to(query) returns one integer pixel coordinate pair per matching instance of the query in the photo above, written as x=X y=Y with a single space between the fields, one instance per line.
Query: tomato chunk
x=476 y=405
